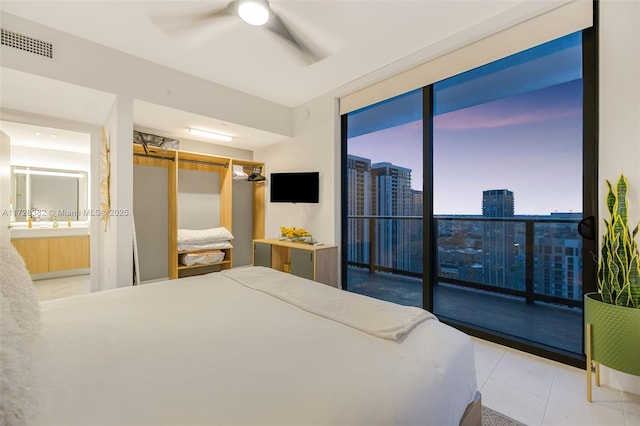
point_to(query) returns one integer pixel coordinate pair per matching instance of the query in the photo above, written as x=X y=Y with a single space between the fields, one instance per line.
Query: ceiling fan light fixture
x=253 y=12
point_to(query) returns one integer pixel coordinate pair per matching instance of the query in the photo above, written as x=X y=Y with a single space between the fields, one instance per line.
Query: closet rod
x=186 y=160
x=160 y=157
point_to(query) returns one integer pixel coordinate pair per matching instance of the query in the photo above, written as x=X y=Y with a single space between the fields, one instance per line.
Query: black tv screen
x=301 y=187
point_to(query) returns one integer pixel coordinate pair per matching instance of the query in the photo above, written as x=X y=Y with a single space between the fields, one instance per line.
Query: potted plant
x=612 y=315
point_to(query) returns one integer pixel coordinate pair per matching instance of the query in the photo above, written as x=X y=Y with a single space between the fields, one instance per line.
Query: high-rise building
x=558 y=259
x=393 y=197
x=498 y=240
x=416 y=231
x=359 y=204
x=497 y=203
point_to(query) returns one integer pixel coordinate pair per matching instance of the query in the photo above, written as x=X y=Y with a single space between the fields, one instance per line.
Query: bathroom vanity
x=53 y=250
x=49 y=223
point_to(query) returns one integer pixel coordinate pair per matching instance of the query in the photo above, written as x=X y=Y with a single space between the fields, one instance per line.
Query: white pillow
x=19 y=325
x=17 y=287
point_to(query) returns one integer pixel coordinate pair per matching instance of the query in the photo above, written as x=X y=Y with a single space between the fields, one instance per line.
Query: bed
x=247 y=346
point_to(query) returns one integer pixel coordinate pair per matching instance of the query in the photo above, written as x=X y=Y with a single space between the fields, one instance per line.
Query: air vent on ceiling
x=26 y=43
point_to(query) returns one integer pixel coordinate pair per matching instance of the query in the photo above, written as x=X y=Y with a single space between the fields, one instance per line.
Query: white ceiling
x=172 y=122
x=48 y=138
x=364 y=40
x=53 y=98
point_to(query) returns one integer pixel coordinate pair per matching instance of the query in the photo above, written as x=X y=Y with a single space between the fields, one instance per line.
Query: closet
x=191 y=191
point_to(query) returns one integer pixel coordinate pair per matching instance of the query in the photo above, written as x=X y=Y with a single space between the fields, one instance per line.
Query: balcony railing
x=537 y=259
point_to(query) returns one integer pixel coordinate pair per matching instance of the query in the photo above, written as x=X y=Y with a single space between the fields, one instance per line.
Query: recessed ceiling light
x=208 y=134
x=50 y=135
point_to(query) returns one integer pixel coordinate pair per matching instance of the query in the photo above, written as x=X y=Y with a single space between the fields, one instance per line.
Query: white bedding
x=201 y=258
x=377 y=317
x=207 y=350
x=217 y=245
x=209 y=235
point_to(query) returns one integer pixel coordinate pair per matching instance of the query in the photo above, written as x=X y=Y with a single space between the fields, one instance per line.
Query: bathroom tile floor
x=537 y=391
x=54 y=288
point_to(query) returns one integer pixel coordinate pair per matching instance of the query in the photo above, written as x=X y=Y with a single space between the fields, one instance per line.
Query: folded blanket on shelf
x=239 y=173
x=193 y=236
x=201 y=258
x=205 y=246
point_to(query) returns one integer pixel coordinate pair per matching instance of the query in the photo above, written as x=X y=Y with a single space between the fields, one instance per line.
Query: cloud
x=485 y=116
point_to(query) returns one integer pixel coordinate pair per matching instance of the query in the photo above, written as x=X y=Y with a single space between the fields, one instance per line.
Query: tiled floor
x=537 y=391
x=55 y=288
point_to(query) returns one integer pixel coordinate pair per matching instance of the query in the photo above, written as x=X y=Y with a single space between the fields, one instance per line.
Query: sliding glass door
x=465 y=196
x=507 y=185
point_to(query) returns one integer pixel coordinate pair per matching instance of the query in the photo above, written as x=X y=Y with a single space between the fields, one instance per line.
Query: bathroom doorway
x=50 y=199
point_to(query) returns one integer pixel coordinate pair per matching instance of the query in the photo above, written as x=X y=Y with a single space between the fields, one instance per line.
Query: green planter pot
x=615 y=334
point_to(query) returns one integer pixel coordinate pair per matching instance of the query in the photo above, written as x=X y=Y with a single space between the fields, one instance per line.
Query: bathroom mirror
x=48 y=194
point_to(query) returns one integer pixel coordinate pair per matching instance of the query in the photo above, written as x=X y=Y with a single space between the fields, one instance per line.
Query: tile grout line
x=624 y=408
x=504 y=351
x=546 y=405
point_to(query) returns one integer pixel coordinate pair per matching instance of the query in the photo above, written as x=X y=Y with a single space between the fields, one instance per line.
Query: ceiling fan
x=253 y=12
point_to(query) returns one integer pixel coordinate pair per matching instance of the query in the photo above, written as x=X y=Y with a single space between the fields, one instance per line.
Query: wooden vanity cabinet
x=54 y=254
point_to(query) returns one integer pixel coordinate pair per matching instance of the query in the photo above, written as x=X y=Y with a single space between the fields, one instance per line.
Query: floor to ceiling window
x=507 y=185
x=384 y=219
x=508 y=168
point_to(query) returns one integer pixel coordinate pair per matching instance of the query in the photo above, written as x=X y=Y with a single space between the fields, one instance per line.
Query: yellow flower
x=293 y=232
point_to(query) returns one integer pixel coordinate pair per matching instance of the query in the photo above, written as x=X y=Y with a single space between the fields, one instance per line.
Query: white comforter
x=207 y=350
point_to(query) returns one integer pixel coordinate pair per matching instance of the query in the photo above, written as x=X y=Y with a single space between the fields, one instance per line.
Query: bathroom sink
x=43 y=231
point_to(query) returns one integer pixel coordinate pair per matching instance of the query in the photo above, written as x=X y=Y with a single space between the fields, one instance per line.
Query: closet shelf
x=222 y=262
x=201 y=251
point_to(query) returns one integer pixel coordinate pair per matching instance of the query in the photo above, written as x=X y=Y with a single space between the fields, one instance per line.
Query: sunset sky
x=526 y=141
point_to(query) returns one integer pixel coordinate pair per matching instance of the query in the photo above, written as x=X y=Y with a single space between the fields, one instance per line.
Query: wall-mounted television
x=299 y=187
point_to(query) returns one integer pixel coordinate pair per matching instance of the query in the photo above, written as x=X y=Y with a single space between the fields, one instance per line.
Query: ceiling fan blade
x=172 y=23
x=278 y=26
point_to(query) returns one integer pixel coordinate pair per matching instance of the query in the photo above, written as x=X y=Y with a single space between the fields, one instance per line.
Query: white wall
x=205 y=147
x=620 y=120
x=214 y=149
x=313 y=148
x=116 y=244
x=5 y=186
x=50 y=158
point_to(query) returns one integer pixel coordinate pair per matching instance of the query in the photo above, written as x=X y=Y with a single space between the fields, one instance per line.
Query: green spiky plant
x=619 y=265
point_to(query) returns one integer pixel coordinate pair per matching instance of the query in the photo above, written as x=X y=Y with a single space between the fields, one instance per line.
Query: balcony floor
x=551 y=325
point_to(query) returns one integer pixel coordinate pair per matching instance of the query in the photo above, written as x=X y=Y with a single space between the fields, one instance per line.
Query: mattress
x=207 y=350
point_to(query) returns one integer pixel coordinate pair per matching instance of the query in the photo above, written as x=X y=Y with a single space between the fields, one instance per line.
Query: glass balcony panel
x=490 y=253
x=558 y=275
x=464 y=290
